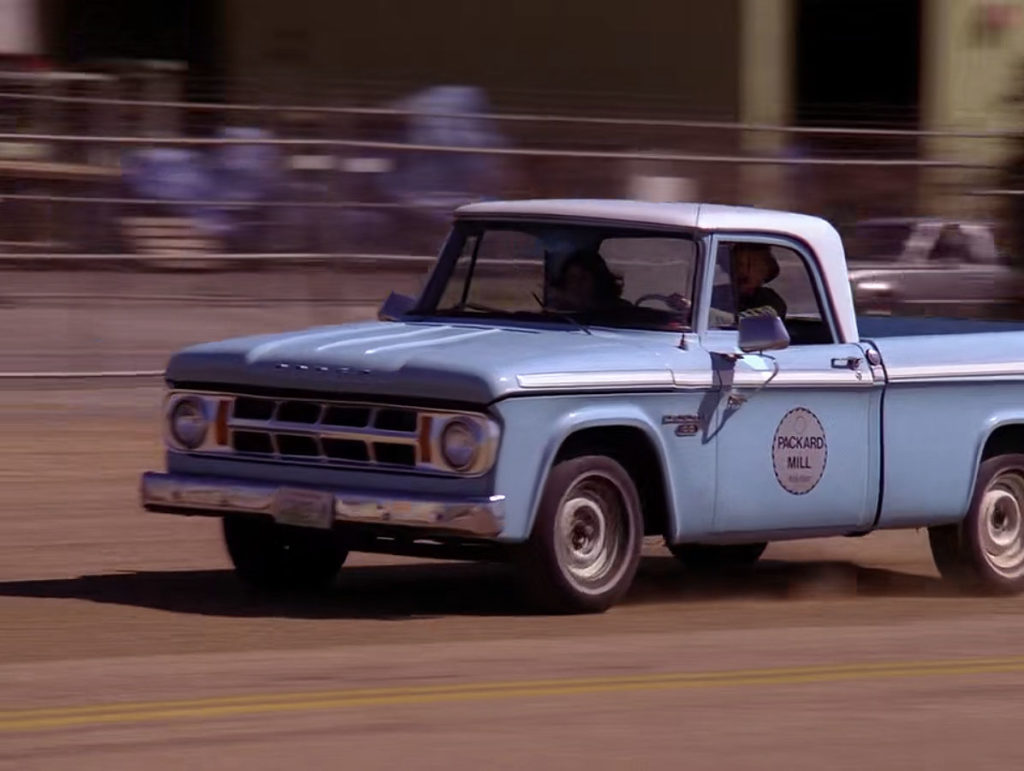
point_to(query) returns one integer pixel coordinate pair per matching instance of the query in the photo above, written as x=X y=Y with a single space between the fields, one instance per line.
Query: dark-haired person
x=585 y=283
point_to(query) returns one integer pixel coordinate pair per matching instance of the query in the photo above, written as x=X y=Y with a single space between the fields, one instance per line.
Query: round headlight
x=460 y=444
x=188 y=423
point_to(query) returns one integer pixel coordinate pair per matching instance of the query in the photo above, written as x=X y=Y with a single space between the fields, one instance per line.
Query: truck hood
x=467 y=362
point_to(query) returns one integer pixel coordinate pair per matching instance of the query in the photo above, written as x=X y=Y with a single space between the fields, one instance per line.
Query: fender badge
x=686 y=425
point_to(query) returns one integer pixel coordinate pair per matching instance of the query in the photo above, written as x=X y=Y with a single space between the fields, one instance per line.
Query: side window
x=761 y=278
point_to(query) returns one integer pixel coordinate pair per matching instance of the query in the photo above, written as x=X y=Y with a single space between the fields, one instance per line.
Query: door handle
x=846 y=362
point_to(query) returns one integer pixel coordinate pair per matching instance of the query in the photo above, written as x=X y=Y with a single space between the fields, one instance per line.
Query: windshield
x=580 y=274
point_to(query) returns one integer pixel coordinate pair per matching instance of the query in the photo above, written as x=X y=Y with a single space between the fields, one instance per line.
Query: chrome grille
x=311 y=431
x=326 y=432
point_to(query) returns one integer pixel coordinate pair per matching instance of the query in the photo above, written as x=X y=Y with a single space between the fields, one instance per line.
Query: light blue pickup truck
x=577 y=375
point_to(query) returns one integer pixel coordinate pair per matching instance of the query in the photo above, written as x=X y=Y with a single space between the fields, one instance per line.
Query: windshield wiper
x=567 y=316
x=474 y=307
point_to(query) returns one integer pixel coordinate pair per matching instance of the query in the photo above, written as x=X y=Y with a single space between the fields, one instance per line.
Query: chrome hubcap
x=1002 y=521
x=591 y=536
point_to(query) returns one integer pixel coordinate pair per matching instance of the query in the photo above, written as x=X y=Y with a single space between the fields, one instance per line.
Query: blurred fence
x=133 y=226
x=96 y=175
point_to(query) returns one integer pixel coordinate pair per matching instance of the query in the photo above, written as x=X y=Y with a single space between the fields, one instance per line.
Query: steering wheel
x=666 y=299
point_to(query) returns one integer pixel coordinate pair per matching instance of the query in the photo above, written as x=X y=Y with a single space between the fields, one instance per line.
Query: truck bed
x=950 y=382
x=873 y=327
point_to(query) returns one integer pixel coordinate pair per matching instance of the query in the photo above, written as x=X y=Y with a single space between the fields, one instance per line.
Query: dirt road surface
x=114 y=321
x=125 y=642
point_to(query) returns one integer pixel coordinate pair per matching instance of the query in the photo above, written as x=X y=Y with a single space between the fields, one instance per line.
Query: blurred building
x=909 y=63
x=933 y=65
x=929 y=65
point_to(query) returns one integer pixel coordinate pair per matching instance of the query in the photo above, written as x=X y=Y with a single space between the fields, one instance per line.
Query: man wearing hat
x=753 y=266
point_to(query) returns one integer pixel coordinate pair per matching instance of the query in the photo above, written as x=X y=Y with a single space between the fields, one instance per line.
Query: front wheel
x=585 y=546
x=986 y=550
x=269 y=556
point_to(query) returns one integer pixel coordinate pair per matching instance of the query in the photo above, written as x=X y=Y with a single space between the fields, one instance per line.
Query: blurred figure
x=220 y=188
x=952 y=245
x=424 y=183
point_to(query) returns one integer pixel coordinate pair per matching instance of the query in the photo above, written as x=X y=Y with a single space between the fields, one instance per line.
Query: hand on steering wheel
x=675 y=300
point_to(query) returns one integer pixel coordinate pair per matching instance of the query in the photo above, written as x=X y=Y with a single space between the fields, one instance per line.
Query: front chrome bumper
x=318 y=507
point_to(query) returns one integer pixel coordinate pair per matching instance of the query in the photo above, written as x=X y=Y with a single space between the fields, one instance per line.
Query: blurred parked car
x=932 y=267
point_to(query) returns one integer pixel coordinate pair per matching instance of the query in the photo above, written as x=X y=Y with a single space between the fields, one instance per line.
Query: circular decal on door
x=799 y=451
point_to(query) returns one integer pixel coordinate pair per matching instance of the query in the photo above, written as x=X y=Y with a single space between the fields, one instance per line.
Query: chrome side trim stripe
x=705 y=379
x=620 y=379
x=980 y=370
x=811 y=378
x=693 y=380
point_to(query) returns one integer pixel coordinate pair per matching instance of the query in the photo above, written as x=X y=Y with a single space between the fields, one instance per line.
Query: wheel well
x=636 y=453
x=1004 y=440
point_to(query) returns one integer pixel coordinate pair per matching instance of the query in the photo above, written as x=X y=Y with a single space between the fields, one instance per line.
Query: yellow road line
x=864 y=667
x=134 y=712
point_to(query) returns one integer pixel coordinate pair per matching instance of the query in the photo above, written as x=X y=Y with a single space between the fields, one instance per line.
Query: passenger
x=585 y=283
x=753 y=266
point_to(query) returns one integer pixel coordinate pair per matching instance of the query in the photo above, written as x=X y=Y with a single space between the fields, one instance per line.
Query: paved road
x=127 y=643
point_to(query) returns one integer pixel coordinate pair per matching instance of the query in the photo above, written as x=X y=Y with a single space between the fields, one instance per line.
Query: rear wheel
x=585 y=546
x=269 y=556
x=707 y=558
x=986 y=550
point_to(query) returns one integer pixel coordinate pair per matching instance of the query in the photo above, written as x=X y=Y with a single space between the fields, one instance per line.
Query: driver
x=585 y=283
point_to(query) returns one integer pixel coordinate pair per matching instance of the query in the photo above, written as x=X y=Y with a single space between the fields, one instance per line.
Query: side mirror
x=395 y=306
x=762 y=333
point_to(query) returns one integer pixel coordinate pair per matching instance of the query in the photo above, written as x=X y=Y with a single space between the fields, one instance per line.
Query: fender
x=606 y=415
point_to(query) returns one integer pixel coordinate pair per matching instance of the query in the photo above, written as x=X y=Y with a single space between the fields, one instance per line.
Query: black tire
x=588 y=501
x=711 y=558
x=985 y=551
x=272 y=557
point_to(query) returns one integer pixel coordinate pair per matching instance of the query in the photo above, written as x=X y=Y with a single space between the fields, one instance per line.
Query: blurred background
x=268 y=164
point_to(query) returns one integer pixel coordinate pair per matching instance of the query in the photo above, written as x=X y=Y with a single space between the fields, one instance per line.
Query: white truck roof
x=815 y=232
